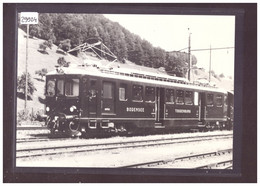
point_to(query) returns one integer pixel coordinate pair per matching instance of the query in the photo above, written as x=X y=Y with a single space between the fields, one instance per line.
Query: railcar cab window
x=60 y=87
x=188 y=98
x=50 y=88
x=122 y=92
x=225 y=100
x=210 y=100
x=179 y=97
x=149 y=94
x=169 y=96
x=72 y=87
x=219 y=100
x=137 y=93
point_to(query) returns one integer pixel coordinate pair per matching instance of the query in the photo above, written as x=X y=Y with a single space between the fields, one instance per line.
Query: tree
x=46 y=27
x=42 y=72
x=70 y=30
x=65 y=45
x=62 y=62
x=49 y=43
x=148 y=53
x=33 y=31
x=221 y=75
x=43 y=46
x=21 y=84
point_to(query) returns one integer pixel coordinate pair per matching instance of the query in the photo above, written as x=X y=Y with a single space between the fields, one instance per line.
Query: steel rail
x=216 y=165
x=115 y=145
x=174 y=160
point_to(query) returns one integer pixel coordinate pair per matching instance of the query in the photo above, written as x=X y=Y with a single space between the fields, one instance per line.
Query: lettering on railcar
x=134 y=109
x=183 y=111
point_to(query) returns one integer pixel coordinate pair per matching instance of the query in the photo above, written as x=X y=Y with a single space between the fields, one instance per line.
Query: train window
x=188 y=98
x=122 y=92
x=210 y=99
x=137 y=93
x=50 y=88
x=180 y=97
x=169 y=96
x=72 y=87
x=149 y=94
x=107 y=90
x=93 y=83
x=219 y=99
x=60 y=87
x=196 y=98
x=226 y=100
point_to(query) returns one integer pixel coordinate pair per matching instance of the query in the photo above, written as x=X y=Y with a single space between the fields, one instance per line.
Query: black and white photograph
x=131 y=91
x=126 y=91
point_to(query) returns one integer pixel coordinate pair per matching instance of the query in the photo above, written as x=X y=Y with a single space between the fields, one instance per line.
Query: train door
x=202 y=106
x=160 y=107
x=84 y=98
x=92 y=98
x=108 y=98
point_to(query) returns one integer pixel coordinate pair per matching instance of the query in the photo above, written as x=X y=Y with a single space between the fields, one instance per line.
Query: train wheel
x=73 y=129
x=208 y=126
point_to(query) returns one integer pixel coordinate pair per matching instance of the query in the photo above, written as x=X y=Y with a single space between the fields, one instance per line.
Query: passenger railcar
x=89 y=99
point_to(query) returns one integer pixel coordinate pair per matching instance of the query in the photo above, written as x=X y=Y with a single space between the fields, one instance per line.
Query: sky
x=170 y=32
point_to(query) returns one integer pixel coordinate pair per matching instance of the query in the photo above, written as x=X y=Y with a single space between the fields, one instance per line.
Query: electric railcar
x=88 y=99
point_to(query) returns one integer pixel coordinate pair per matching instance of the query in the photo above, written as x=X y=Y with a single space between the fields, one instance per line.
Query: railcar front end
x=63 y=104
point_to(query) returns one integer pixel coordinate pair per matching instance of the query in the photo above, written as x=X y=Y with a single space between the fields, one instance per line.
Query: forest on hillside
x=79 y=28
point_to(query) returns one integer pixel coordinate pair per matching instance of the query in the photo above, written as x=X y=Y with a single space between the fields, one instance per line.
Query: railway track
x=32 y=128
x=226 y=164
x=39 y=139
x=76 y=148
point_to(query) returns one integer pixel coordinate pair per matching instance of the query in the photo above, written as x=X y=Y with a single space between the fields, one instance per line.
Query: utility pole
x=189 y=62
x=27 y=18
x=26 y=73
x=210 y=63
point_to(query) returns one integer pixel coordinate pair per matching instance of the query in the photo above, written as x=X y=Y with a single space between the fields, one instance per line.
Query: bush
x=48 y=43
x=26 y=116
x=62 y=62
x=65 y=45
x=22 y=116
x=42 y=72
x=39 y=116
x=21 y=84
x=43 y=46
x=222 y=75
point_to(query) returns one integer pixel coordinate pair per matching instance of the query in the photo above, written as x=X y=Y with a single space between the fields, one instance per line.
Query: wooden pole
x=26 y=73
x=210 y=63
x=189 y=62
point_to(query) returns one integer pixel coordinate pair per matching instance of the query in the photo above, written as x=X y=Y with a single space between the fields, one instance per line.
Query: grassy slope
x=37 y=61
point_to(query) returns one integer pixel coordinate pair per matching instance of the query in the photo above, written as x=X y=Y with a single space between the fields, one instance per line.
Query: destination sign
x=183 y=111
x=134 y=109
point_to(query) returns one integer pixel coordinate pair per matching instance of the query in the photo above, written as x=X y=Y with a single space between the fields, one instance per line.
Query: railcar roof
x=132 y=75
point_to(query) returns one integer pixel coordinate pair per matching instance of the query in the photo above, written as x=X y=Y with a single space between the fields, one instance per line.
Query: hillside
x=37 y=61
x=77 y=29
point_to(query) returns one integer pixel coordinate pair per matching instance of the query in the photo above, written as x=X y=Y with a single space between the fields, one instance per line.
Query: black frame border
x=245 y=131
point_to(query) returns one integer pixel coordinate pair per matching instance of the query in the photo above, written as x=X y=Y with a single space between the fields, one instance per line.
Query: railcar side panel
x=98 y=103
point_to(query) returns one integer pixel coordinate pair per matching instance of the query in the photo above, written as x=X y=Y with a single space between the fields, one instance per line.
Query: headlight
x=72 y=108
x=47 y=109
